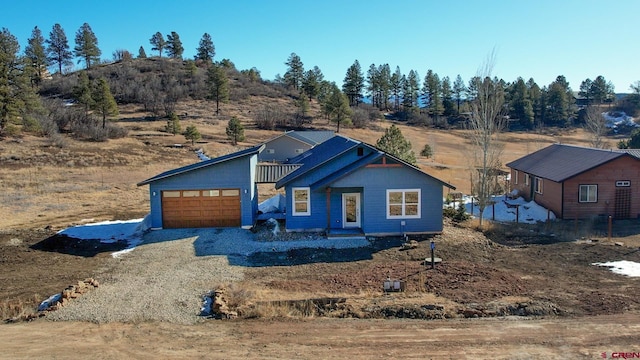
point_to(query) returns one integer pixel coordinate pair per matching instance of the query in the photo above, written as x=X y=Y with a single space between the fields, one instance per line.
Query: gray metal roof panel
x=559 y=162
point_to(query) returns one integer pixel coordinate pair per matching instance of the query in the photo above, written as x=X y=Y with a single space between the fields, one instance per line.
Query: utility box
x=393 y=285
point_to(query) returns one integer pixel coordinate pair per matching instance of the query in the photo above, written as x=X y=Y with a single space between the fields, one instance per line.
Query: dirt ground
x=518 y=292
x=549 y=338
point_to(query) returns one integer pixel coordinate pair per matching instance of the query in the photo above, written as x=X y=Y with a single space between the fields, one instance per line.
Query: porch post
x=328 y=209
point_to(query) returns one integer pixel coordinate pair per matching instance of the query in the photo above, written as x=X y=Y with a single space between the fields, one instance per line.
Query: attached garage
x=219 y=192
x=201 y=208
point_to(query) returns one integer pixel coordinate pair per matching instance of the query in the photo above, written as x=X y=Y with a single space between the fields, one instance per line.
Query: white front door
x=350 y=210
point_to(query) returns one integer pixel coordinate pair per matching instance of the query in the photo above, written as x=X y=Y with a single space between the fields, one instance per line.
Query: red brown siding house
x=579 y=183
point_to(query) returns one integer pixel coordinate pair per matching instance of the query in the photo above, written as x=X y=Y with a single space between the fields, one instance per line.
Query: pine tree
x=235 y=130
x=174 y=46
x=311 y=82
x=336 y=106
x=432 y=91
x=458 y=91
x=447 y=97
x=295 y=72
x=158 y=43
x=192 y=134
x=16 y=96
x=83 y=91
x=58 y=48
x=87 y=46
x=354 y=84
x=218 y=85
x=396 y=88
x=104 y=103
x=520 y=104
x=394 y=143
x=173 y=124
x=36 y=55
x=141 y=53
x=206 y=50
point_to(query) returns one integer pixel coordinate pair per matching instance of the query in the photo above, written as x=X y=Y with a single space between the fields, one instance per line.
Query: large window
x=515 y=176
x=588 y=193
x=403 y=204
x=538 y=185
x=301 y=201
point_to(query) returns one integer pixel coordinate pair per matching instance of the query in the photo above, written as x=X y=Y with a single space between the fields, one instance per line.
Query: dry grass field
x=47 y=188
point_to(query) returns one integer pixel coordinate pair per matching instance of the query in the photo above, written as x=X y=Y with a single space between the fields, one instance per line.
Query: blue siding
x=236 y=173
x=376 y=181
x=372 y=183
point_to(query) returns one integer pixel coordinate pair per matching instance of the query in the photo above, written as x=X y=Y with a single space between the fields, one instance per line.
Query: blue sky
x=537 y=38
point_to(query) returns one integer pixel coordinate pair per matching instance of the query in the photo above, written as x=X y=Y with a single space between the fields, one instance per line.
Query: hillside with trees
x=34 y=101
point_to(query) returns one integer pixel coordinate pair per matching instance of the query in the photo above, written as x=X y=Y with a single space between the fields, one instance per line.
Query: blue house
x=345 y=186
x=219 y=192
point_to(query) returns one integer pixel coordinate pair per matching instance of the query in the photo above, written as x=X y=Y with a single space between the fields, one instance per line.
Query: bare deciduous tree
x=485 y=125
x=595 y=124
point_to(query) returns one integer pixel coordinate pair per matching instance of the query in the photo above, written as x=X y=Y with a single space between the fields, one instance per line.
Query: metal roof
x=633 y=152
x=317 y=156
x=559 y=162
x=203 y=164
x=271 y=173
x=312 y=137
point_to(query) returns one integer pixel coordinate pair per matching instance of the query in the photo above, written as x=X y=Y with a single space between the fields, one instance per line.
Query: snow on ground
x=615 y=119
x=622 y=267
x=130 y=231
x=201 y=155
x=504 y=210
x=274 y=204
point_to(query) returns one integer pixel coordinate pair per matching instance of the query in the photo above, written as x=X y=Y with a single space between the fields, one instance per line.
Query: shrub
x=458 y=214
x=426 y=151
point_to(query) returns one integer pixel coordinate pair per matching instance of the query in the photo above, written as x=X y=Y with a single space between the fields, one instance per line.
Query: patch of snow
x=130 y=231
x=274 y=204
x=622 y=267
x=207 y=305
x=615 y=119
x=50 y=301
x=504 y=210
x=201 y=155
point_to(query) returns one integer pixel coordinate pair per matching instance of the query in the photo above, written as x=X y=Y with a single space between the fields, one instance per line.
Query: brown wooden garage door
x=201 y=208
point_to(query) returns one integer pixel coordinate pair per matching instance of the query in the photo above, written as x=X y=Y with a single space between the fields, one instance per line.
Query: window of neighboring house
x=403 y=204
x=299 y=151
x=588 y=194
x=526 y=179
x=538 y=185
x=515 y=177
x=271 y=151
x=301 y=201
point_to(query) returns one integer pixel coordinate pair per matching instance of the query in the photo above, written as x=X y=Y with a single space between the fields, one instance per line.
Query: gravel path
x=163 y=279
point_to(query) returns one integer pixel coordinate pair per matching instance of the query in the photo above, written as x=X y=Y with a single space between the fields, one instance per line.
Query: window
x=588 y=194
x=271 y=151
x=623 y=183
x=526 y=179
x=231 y=192
x=299 y=151
x=171 y=194
x=360 y=151
x=515 y=177
x=403 y=204
x=210 y=193
x=538 y=185
x=191 y=193
x=301 y=201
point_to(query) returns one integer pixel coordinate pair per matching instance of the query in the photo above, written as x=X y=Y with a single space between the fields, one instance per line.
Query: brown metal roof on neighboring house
x=632 y=152
x=271 y=173
x=560 y=162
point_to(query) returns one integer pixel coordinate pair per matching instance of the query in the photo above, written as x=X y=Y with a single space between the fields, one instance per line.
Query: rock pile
x=220 y=305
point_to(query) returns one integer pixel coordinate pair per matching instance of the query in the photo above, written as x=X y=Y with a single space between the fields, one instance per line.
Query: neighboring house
x=219 y=192
x=291 y=144
x=578 y=182
x=345 y=186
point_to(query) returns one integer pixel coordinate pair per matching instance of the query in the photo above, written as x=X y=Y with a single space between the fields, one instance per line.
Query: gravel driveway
x=165 y=277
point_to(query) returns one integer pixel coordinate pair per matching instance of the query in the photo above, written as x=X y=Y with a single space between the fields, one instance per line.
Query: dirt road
x=575 y=338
